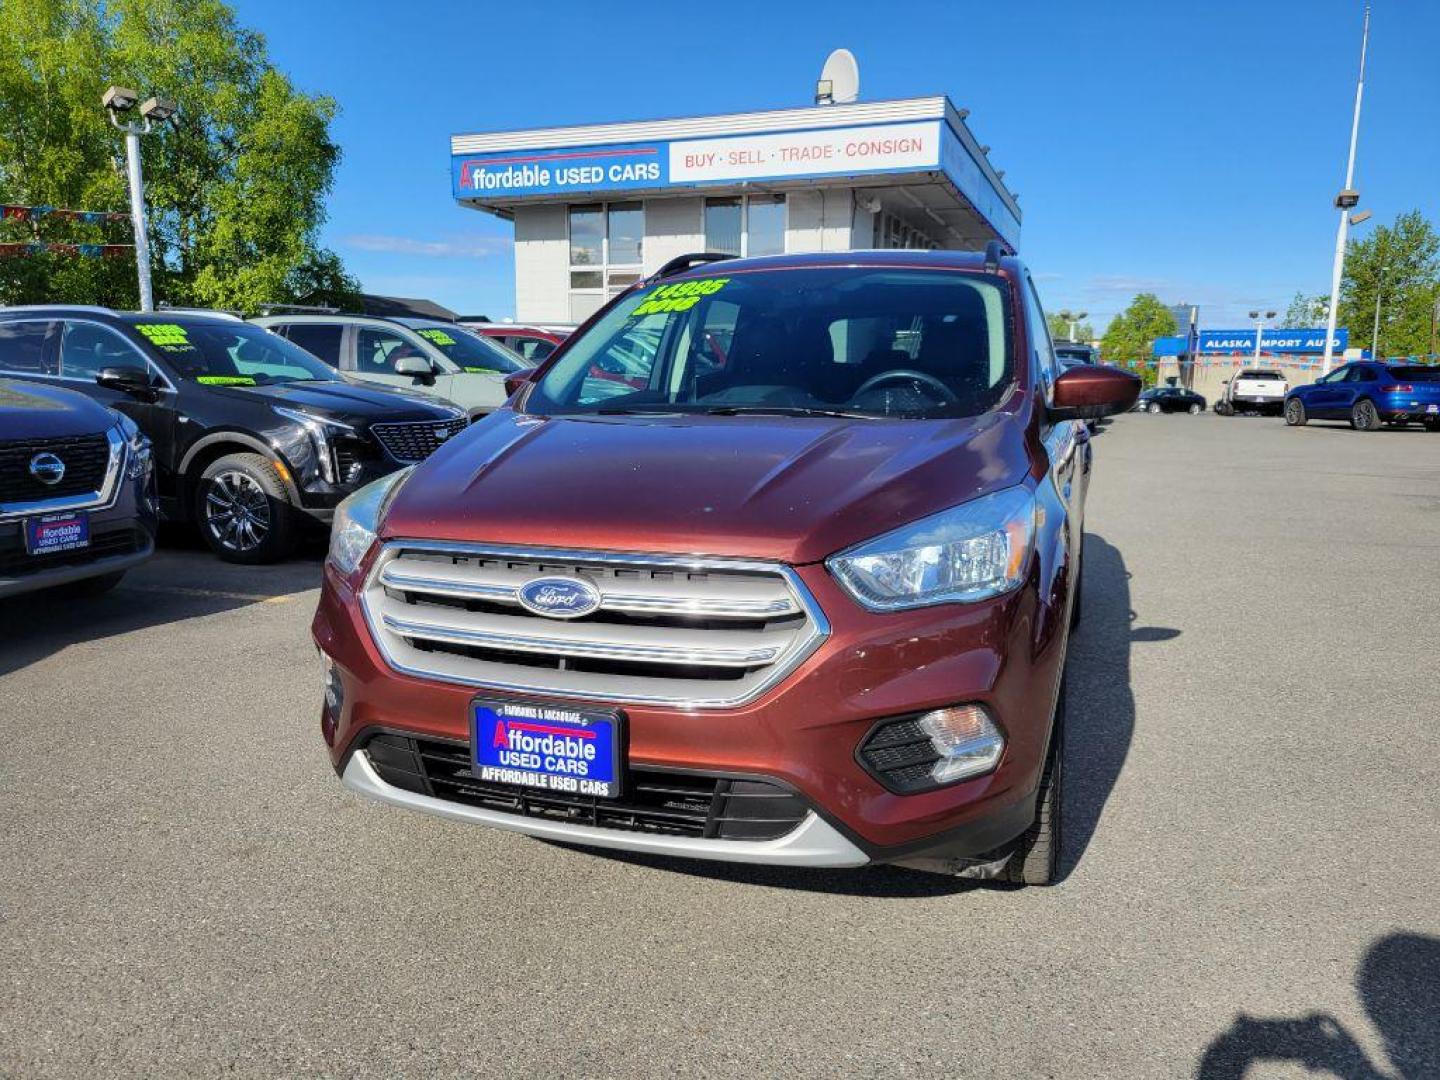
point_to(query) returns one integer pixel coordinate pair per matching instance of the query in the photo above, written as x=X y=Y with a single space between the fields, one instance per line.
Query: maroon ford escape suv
x=797 y=593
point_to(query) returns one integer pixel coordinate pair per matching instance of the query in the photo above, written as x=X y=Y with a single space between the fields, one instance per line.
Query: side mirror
x=134 y=381
x=517 y=381
x=416 y=366
x=1093 y=391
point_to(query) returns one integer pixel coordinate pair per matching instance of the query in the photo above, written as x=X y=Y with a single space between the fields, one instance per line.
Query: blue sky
x=1190 y=150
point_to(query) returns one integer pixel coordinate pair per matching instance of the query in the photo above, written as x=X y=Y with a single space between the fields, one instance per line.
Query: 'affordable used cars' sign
x=659 y=163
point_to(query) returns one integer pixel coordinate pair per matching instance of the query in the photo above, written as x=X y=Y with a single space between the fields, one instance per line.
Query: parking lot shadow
x=182 y=581
x=1099 y=726
x=1399 y=986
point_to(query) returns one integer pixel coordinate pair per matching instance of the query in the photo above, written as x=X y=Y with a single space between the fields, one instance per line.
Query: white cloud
x=464 y=247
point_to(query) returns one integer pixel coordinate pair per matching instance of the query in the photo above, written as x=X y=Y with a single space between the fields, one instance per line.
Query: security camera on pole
x=1345 y=202
x=119 y=102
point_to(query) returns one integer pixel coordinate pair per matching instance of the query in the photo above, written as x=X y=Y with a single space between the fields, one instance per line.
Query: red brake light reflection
x=1397 y=388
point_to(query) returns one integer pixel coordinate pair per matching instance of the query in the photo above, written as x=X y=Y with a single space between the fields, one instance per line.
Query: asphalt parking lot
x=1252 y=849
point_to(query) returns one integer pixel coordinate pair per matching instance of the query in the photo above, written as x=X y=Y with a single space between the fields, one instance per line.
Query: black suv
x=251 y=434
x=77 y=499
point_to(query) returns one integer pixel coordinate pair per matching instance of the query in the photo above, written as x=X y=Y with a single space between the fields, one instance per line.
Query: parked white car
x=425 y=355
x=1259 y=390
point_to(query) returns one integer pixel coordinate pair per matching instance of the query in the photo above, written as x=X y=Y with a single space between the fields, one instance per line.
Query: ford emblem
x=559 y=597
x=47 y=468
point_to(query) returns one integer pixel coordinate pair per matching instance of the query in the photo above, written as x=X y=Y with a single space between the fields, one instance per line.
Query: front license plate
x=552 y=747
x=57 y=532
x=1432 y=408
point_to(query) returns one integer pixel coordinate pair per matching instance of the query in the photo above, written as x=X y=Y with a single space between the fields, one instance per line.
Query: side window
x=534 y=349
x=87 y=348
x=1365 y=374
x=1040 y=332
x=22 y=347
x=376 y=351
x=627 y=362
x=321 y=340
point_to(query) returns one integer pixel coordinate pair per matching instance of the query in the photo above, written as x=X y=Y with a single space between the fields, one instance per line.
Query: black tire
x=92 y=586
x=1154 y=409
x=1224 y=408
x=1364 y=416
x=1432 y=425
x=1295 y=413
x=1036 y=858
x=243 y=510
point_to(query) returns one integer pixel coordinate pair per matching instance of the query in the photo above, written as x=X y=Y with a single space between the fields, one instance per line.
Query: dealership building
x=596 y=208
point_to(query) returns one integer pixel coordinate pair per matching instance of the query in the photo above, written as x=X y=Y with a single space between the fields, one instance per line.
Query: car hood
x=790 y=489
x=32 y=411
x=346 y=401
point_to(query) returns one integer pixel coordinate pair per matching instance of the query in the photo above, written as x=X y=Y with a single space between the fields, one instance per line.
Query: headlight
x=358 y=519
x=137 y=449
x=316 y=427
x=971 y=552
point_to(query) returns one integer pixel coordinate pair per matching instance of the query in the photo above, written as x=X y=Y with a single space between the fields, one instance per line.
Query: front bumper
x=122 y=536
x=813 y=843
x=803 y=733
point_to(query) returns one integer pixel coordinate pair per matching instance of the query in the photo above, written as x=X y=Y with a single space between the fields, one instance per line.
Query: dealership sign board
x=656 y=165
x=1243 y=341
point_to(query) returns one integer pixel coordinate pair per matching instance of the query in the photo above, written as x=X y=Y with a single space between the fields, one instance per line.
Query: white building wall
x=542 y=264
x=672 y=227
x=820 y=219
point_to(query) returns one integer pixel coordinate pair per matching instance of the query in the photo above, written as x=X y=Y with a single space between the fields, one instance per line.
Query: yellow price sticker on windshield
x=681 y=296
x=169 y=336
x=225 y=380
x=439 y=337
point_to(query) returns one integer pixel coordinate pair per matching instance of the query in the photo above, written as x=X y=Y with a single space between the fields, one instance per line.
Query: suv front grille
x=411 y=442
x=693 y=632
x=664 y=803
x=86 y=459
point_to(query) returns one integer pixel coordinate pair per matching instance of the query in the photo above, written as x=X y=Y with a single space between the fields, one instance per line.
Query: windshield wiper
x=782 y=410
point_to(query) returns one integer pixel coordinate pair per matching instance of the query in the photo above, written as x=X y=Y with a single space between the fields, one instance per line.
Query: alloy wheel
x=237 y=511
x=1366 y=418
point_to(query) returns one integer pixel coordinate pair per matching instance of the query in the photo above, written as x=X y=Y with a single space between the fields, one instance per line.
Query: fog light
x=921 y=753
x=334 y=697
x=966 y=739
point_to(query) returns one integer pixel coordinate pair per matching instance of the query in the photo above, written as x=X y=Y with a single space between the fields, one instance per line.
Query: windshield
x=469 y=351
x=1275 y=375
x=231 y=354
x=845 y=340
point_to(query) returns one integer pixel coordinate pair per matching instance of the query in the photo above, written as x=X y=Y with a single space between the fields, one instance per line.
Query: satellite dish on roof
x=839 y=79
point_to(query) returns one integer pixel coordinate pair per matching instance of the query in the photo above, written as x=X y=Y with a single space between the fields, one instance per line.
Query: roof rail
x=181 y=309
x=681 y=263
x=298 y=309
x=993 y=253
x=96 y=308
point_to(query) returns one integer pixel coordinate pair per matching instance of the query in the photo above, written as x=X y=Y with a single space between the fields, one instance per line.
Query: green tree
x=1131 y=334
x=1060 y=328
x=1304 y=312
x=1401 y=265
x=235 y=187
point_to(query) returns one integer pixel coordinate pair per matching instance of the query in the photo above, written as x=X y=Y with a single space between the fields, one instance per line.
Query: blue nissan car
x=1370 y=394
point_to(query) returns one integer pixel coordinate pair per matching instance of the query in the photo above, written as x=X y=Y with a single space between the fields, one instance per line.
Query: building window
x=891 y=232
x=606 y=243
x=751 y=226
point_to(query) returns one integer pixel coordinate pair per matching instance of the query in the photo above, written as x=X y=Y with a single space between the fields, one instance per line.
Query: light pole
x=1073 y=318
x=119 y=102
x=1260 y=318
x=1345 y=201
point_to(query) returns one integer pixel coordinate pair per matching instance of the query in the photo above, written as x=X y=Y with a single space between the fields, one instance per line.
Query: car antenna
x=993 y=252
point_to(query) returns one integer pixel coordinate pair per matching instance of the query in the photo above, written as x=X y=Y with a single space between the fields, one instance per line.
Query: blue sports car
x=1369 y=393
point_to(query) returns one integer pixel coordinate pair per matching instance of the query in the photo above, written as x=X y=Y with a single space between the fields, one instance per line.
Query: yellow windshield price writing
x=165 y=335
x=439 y=337
x=681 y=296
x=225 y=380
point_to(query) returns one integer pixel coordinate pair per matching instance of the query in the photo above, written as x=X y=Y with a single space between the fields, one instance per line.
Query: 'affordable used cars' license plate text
x=546 y=746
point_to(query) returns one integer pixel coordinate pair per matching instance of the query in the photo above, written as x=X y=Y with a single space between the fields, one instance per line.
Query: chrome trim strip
x=101 y=499
x=649 y=605
x=803 y=648
x=556 y=646
x=814 y=842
